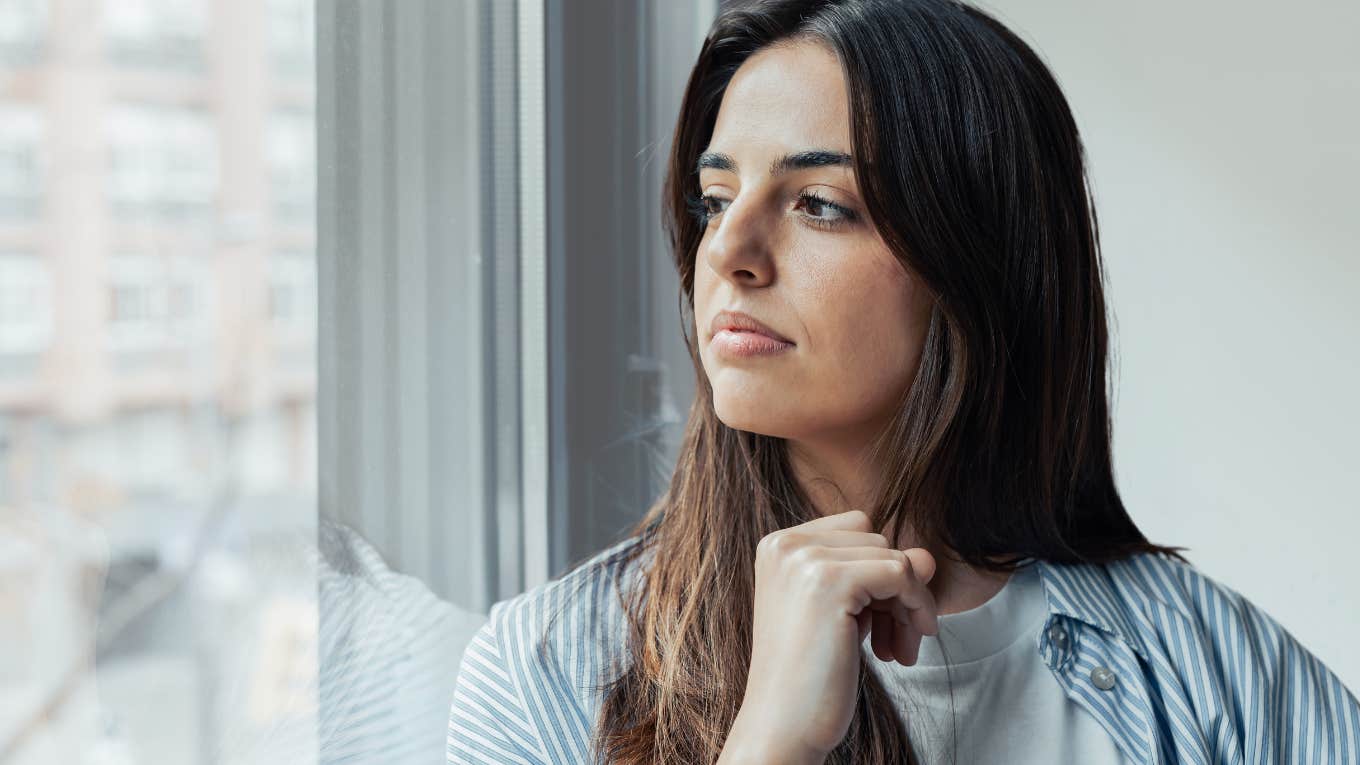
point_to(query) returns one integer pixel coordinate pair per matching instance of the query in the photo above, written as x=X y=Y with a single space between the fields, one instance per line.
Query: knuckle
x=805 y=555
x=769 y=544
x=859 y=518
x=778 y=545
x=821 y=575
x=781 y=543
x=906 y=563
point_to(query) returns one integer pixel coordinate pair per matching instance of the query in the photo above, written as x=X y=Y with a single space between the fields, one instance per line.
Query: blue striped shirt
x=1200 y=674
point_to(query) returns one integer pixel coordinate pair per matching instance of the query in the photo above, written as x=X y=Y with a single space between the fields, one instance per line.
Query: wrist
x=752 y=743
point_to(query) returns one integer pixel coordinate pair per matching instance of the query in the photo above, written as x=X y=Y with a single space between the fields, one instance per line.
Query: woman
x=893 y=534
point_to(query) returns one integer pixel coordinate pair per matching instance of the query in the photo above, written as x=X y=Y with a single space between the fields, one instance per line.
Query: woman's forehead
x=787 y=95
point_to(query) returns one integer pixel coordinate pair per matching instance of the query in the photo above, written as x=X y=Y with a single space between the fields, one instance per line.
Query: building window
x=156 y=34
x=25 y=304
x=292 y=32
x=21 y=176
x=153 y=438
x=292 y=166
x=131 y=304
x=23 y=27
x=162 y=162
x=155 y=303
x=292 y=294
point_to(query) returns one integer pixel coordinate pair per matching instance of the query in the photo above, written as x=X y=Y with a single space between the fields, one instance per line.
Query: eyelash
x=698 y=207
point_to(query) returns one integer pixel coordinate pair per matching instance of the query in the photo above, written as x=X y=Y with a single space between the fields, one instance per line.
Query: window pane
x=25 y=304
x=162 y=161
x=156 y=34
x=21 y=172
x=157 y=383
x=23 y=28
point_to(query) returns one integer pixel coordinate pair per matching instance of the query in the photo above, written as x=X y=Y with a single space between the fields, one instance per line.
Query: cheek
x=703 y=290
x=876 y=333
x=705 y=282
x=878 y=350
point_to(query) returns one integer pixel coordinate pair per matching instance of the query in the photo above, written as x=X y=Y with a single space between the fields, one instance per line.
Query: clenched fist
x=820 y=588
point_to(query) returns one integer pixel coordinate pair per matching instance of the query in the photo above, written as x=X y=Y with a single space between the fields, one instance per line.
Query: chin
x=751 y=414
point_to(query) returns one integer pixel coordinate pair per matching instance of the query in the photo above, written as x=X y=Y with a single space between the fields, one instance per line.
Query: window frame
x=502 y=369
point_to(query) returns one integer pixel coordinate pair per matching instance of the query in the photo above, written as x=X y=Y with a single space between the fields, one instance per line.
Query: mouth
x=742 y=323
x=748 y=344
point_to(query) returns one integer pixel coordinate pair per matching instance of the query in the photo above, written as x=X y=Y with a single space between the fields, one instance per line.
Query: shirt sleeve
x=488 y=722
x=1305 y=713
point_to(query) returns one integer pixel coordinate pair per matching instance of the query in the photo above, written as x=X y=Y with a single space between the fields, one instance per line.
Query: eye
x=702 y=208
x=821 y=213
x=817 y=208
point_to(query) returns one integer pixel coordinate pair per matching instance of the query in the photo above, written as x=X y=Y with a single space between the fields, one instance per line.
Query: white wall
x=1224 y=140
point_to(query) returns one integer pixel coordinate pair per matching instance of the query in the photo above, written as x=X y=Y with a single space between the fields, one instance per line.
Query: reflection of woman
x=895 y=191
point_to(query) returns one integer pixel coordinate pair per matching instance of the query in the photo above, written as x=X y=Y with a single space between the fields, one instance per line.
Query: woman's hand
x=820 y=587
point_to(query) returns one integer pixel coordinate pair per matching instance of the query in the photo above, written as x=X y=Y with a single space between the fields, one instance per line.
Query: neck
x=837 y=480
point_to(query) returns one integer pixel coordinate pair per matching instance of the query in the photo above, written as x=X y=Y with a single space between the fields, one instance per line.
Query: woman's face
x=794 y=249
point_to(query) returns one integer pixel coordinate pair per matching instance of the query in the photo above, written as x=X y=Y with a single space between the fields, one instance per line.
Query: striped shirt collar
x=1087 y=593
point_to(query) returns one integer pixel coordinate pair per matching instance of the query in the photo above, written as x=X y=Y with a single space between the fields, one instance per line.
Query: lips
x=737 y=321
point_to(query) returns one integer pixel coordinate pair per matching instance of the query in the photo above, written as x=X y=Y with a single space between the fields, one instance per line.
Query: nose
x=739 y=250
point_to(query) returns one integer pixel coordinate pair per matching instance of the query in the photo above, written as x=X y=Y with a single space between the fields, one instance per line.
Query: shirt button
x=1103 y=678
x=1056 y=634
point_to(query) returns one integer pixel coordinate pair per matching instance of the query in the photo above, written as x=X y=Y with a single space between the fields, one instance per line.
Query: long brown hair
x=973 y=172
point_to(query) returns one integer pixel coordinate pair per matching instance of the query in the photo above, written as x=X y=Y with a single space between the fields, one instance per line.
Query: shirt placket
x=1101 y=674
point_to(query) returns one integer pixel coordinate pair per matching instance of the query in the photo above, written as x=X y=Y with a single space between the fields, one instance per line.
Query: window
x=25 y=304
x=157 y=427
x=292 y=165
x=155 y=302
x=172 y=446
x=21 y=170
x=165 y=35
x=292 y=294
x=292 y=35
x=23 y=27
x=162 y=161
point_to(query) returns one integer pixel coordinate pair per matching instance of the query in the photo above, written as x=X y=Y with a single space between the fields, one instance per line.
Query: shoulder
x=530 y=680
x=580 y=610
x=1184 y=621
x=1183 y=604
x=1160 y=584
x=1242 y=665
x=1164 y=588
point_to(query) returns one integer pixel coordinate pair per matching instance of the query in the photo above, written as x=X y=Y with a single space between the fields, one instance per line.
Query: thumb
x=922 y=562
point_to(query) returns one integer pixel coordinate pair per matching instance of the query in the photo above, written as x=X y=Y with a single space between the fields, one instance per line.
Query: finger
x=884 y=579
x=906 y=642
x=890 y=579
x=794 y=539
x=922 y=562
x=925 y=619
x=865 y=619
x=883 y=634
x=846 y=538
x=884 y=604
x=852 y=520
x=852 y=553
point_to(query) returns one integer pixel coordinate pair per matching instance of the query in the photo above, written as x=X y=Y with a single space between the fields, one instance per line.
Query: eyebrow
x=798 y=160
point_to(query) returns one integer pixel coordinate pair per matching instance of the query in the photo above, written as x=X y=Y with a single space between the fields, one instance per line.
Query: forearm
x=749 y=743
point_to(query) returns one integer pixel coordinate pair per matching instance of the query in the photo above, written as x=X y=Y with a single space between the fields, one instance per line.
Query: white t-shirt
x=1008 y=706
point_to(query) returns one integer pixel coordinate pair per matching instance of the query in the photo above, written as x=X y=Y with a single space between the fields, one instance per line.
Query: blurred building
x=157 y=357
x=156 y=248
